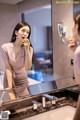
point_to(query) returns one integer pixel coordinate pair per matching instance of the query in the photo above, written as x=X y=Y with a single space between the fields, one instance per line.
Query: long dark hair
x=19 y=26
x=77 y=21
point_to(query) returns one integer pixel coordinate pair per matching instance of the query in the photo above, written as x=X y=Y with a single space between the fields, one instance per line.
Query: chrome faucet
x=35 y=104
x=53 y=99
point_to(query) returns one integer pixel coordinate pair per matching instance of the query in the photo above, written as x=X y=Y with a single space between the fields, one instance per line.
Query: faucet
x=35 y=104
x=53 y=99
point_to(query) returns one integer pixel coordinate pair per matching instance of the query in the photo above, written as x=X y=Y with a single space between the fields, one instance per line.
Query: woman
x=17 y=56
x=75 y=46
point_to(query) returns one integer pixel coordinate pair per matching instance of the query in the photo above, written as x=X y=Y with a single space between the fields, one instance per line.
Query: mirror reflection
x=62 y=31
x=41 y=39
x=41 y=75
x=43 y=70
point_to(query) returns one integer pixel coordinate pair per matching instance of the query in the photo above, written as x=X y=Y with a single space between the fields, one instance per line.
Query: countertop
x=70 y=98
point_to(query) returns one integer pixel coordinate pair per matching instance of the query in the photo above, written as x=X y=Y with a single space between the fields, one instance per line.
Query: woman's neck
x=17 y=44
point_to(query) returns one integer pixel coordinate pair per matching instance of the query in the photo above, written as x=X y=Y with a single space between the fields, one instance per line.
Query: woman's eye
x=28 y=32
x=25 y=31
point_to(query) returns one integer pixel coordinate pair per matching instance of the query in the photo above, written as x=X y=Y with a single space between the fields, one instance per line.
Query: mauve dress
x=17 y=62
x=77 y=64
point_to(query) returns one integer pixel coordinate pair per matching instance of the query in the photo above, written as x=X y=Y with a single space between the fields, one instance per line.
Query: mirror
x=52 y=60
x=53 y=63
x=62 y=31
x=41 y=38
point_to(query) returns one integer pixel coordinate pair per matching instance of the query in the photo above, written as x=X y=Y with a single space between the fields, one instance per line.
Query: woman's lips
x=23 y=37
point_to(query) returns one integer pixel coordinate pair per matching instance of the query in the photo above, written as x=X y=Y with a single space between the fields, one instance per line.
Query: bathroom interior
x=52 y=85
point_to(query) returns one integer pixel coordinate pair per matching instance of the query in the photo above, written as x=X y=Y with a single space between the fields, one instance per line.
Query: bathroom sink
x=62 y=113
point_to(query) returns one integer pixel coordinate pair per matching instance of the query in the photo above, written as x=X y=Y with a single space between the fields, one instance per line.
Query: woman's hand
x=72 y=43
x=11 y=93
x=26 y=43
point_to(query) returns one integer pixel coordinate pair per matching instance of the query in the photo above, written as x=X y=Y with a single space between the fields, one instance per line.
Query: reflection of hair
x=77 y=21
x=19 y=26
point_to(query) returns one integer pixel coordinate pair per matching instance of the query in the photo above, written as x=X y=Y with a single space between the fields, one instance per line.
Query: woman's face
x=22 y=33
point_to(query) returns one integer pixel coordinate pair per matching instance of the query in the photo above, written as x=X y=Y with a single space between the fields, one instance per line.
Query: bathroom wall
x=8 y=19
x=62 y=55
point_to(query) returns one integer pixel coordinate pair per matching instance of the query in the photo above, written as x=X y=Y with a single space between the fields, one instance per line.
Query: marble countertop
x=27 y=111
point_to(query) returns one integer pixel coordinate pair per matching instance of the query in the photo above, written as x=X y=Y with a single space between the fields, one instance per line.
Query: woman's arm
x=8 y=73
x=28 y=53
x=73 y=43
x=28 y=56
x=9 y=80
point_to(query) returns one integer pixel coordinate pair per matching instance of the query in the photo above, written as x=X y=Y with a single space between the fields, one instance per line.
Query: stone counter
x=27 y=111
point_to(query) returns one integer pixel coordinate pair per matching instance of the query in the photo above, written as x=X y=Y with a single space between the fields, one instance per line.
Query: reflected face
x=23 y=33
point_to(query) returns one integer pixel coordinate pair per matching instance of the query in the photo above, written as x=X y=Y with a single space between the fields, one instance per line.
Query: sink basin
x=62 y=113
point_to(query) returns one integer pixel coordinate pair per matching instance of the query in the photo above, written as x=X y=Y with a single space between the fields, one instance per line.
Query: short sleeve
x=4 y=52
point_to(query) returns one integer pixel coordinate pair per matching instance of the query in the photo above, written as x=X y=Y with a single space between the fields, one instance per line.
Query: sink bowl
x=62 y=113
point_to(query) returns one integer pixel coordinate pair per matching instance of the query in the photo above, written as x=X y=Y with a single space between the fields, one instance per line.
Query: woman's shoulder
x=77 y=51
x=6 y=45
